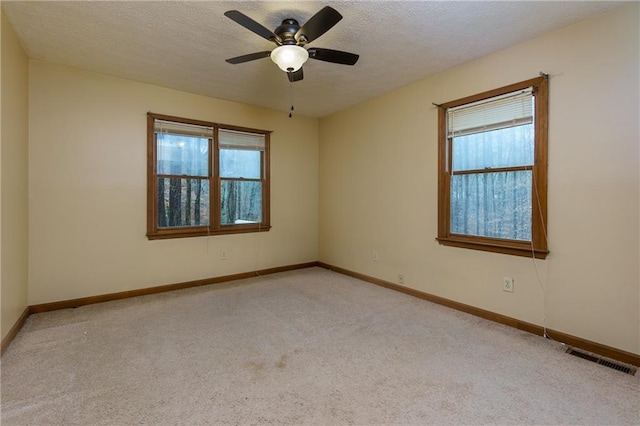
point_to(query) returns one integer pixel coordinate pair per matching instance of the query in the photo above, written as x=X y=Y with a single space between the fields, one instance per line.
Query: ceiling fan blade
x=335 y=56
x=295 y=76
x=249 y=57
x=319 y=24
x=252 y=25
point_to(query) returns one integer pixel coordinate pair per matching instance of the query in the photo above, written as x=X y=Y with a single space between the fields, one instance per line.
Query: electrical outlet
x=374 y=256
x=400 y=278
x=223 y=255
x=507 y=284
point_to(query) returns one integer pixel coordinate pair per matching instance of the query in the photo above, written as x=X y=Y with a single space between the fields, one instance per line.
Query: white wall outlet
x=400 y=278
x=507 y=284
x=223 y=255
x=375 y=256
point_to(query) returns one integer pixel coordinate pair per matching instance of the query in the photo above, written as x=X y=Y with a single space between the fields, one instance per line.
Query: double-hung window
x=205 y=178
x=493 y=170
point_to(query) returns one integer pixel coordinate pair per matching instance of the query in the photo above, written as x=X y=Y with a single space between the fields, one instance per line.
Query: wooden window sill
x=514 y=248
x=199 y=232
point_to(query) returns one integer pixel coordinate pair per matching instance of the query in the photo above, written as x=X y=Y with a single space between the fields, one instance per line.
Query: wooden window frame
x=537 y=247
x=215 y=227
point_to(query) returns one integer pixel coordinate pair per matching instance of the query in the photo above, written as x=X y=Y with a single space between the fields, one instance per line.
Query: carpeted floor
x=302 y=347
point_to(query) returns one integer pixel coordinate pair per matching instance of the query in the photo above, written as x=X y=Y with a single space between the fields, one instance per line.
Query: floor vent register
x=602 y=361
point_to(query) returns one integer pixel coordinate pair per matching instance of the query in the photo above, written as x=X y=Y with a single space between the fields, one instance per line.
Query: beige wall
x=378 y=186
x=13 y=177
x=87 y=173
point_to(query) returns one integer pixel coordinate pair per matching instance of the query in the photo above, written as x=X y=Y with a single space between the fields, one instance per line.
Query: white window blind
x=508 y=110
x=182 y=129
x=233 y=139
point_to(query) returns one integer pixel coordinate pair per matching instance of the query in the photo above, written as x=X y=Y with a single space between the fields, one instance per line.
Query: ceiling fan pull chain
x=291 y=98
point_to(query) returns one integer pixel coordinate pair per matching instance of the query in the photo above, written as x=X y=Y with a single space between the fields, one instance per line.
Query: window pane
x=508 y=147
x=240 y=201
x=183 y=202
x=237 y=163
x=182 y=155
x=494 y=205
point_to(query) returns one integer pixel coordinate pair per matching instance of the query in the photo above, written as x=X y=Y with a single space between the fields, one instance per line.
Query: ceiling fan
x=291 y=38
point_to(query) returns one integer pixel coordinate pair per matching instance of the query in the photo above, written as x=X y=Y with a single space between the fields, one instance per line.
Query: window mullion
x=152 y=181
x=448 y=173
x=214 y=184
x=493 y=170
x=266 y=208
x=169 y=176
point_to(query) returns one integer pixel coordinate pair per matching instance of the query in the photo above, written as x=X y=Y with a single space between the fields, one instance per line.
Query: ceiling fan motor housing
x=287 y=31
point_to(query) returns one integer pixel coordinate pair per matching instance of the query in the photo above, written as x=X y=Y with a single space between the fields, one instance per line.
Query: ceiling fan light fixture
x=289 y=57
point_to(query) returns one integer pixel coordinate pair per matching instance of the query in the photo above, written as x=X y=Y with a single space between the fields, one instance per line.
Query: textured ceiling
x=183 y=45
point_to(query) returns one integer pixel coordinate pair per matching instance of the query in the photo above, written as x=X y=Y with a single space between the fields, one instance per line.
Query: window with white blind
x=205 y=178
x=493 y=170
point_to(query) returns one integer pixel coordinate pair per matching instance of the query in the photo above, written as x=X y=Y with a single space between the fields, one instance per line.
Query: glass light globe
x=289 y=57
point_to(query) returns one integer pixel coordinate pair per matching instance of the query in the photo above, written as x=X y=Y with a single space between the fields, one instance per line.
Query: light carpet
x=302 y=347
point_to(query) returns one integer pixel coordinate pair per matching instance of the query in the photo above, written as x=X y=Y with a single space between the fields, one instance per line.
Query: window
x=492 y=173
x=205 y=178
